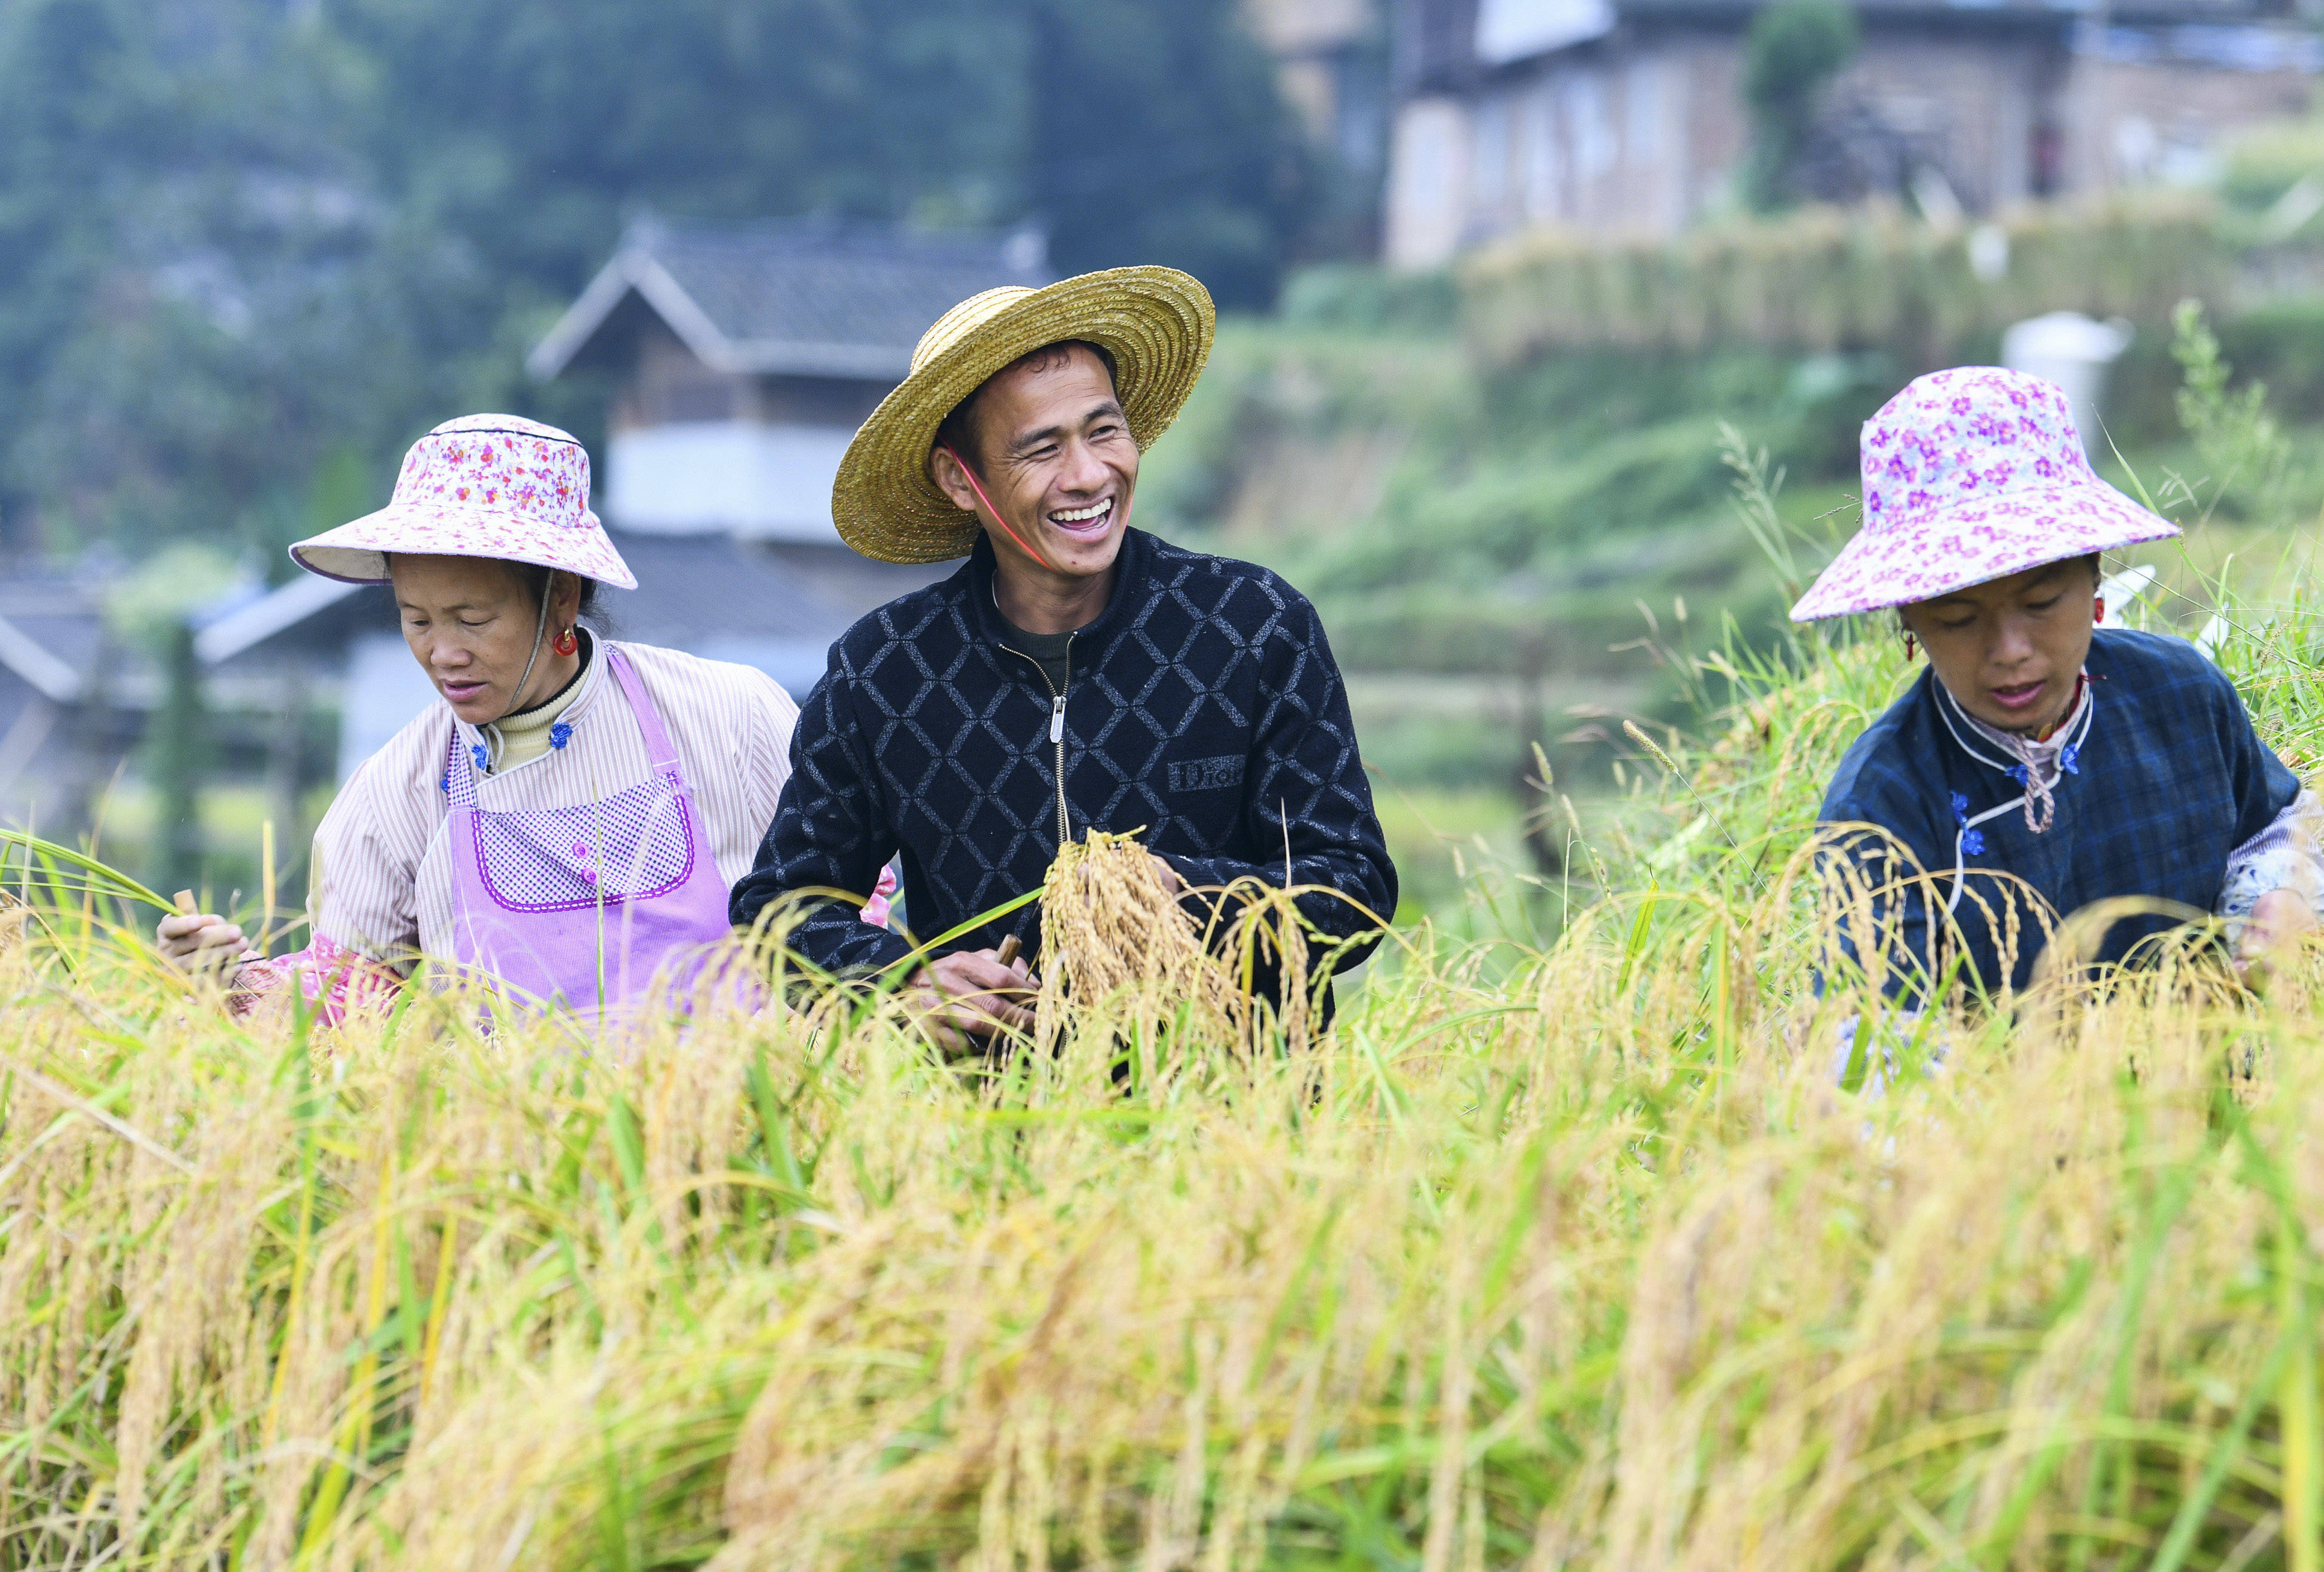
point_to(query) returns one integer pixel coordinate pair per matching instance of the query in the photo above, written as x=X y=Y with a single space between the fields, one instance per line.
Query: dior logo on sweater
x=1216 y=774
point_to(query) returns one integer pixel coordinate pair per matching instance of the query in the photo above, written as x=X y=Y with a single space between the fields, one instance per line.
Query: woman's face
x=471 y=623
x=2009 y=651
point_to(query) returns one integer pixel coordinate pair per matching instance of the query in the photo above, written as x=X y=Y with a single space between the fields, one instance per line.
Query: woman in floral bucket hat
x=2042 y=754
x=568 y=818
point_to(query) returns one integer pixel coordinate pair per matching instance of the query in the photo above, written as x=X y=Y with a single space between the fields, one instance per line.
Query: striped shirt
x=380 y=885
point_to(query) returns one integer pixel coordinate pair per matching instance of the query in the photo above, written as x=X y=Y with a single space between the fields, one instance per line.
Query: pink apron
x=582 y=906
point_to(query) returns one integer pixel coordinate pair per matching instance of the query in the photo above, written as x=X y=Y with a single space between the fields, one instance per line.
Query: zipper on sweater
x=1057 y=729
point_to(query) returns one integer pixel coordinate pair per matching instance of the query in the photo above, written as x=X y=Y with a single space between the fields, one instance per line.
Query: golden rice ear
x=1111 y=932
x=1117 y=944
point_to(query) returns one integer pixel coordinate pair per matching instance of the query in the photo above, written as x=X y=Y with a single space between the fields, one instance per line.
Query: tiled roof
x=805 y=297
x=702 y=585
x=774 y=606
x=51 y=630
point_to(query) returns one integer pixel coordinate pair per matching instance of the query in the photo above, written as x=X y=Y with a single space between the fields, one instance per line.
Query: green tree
x=243 y=241
x=1156 y=135
x=1793 y=51
x=188 y=311
x=526 y=129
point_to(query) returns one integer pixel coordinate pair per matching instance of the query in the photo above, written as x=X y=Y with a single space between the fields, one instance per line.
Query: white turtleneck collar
x=527 y=737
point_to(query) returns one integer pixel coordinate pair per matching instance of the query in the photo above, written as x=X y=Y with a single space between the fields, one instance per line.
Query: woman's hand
x=966 y=996
x=2277 y=920
x=202 y=941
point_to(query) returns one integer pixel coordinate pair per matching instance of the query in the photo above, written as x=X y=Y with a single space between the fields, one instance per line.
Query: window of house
x=705 y=397
x=1642 y=105
x=1593 y=128
x=1544 y=154
x=1491 y=180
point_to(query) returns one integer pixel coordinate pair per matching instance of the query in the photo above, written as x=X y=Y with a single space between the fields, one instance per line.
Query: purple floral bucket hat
x=482 y=485
x=1973 y=474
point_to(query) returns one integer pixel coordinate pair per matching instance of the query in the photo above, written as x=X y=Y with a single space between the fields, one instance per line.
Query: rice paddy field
x=1565 y=1244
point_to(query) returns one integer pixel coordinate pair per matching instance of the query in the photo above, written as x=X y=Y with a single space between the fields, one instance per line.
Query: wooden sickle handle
x=1009 y=948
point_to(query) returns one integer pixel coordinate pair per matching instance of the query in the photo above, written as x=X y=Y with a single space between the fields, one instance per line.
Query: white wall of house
x=1598 y=141
x=385 y=691
x=762 y=481
x=2148 y=104
x=1427 y=202
x=1515 y=30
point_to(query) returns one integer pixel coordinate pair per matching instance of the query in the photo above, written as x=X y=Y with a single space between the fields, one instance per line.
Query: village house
x=745 y=357
x=1625 y=117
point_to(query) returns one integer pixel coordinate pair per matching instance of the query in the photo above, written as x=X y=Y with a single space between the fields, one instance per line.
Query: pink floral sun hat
x=482 y=485
x=1973 y=474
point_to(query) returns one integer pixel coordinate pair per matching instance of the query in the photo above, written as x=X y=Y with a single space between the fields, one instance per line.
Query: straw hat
x=1973 y=474
x=1155 y=321
x=482 y=485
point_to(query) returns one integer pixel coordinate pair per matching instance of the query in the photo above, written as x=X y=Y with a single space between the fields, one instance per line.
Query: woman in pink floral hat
x=2086 y=762
x=568 y=818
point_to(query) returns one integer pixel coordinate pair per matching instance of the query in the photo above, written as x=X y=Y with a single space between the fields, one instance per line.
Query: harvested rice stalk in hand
x=1111 y=927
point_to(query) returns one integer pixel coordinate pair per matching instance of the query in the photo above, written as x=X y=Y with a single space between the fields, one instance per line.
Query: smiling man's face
x=2009 y=651
x=1057 y=461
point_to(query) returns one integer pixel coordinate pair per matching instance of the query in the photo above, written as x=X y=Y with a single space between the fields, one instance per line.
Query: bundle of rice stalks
x=1116 y=943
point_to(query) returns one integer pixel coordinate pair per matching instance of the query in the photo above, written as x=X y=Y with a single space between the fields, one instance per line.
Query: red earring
x=2097 y=609
x=564 y=643
x=1910 y=651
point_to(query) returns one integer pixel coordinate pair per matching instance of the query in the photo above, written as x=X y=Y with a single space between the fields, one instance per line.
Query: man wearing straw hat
x=1075 y=675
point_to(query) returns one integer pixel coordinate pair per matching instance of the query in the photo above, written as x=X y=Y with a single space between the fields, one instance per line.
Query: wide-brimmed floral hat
x=482 y=485
x=1973 y=474
x=1156 y=322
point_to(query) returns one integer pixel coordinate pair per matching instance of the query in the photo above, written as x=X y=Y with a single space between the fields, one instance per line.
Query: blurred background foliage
x=1793 y=52
x=249 y=248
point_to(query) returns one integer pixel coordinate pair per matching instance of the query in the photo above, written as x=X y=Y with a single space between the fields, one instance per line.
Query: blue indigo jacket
x=2170 y=779
x=1203 y=708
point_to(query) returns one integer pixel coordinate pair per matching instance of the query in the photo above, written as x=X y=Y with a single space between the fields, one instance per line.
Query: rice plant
x=1570 y=1253
x=1602 y=1246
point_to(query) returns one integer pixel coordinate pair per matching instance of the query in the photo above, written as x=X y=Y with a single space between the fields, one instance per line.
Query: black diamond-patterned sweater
x=1203 y=708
